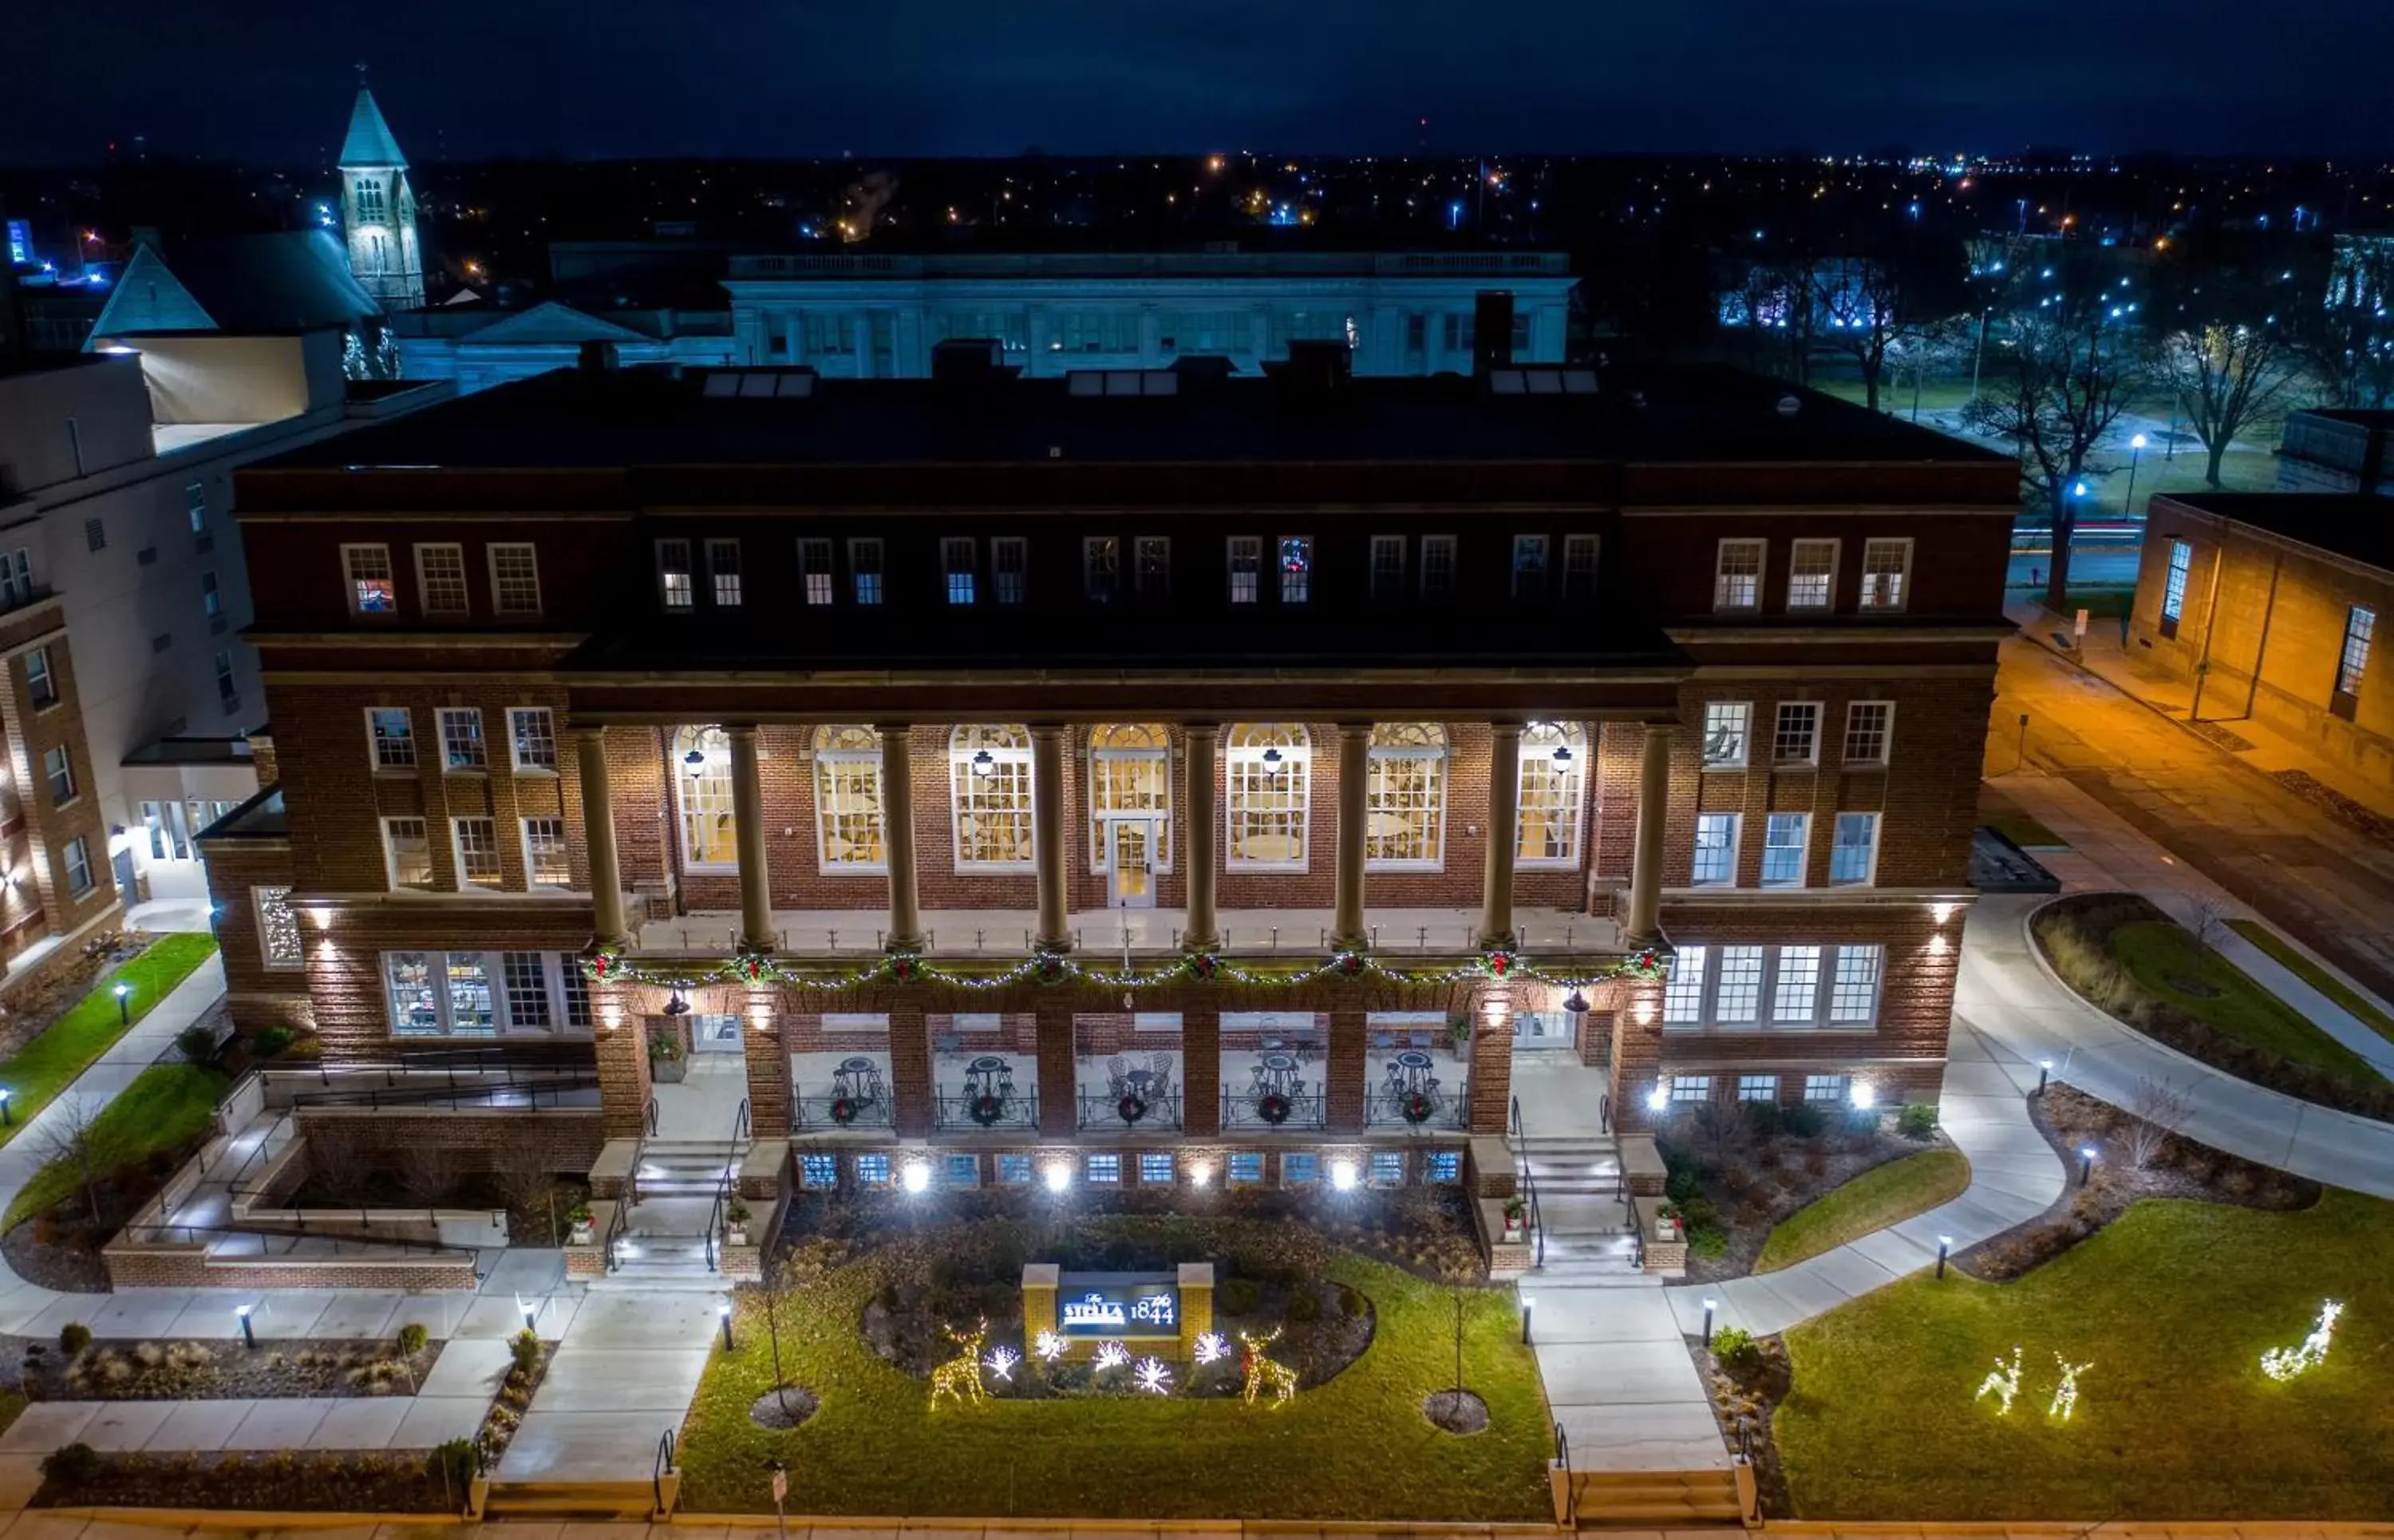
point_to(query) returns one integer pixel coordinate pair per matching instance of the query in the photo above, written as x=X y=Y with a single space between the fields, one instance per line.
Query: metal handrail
x=617 y=1224
x=1528 y=1182
x=1386 y=1109
x=453 y=1097
x=815 y=1111
x=661 y=1466
x=1570 y=1487
x=726 y=1185
x=953 y=1113
x=166 y=1233
x=1306 y=1109
x=740 y=1127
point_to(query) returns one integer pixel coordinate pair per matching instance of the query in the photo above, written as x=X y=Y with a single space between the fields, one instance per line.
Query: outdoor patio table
x=983 y=1074
x=1280 y=1070
x=855 y=1077
x=1413 y=1068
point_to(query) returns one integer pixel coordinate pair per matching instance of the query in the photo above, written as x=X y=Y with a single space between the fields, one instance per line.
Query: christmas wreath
x=1499 y=963
x=1348 y=963
x=844 y=1110
x=1130 y=1108
x=903 y=969
x=1273 y=1107
x=1201 y=965
x=987 y=1109
x=1416 y=1106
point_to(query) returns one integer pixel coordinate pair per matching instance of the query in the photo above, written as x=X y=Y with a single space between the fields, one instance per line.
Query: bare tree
x=2208 y=918
x=338 y=1161
x=428 y=1175
x=1885 y=305
x=70 y=1137
x=2225 y=375
x=2155 y=1111
x=2352 y=350
x=522 y=1176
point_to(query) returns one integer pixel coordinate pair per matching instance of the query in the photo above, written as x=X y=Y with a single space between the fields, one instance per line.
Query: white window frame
x=1774 y=824
x=354 y=584
x=1807 y=712
x=1739 y=592
x=80 y=882
x=1811 y=592
x=1388 y=572
x=1406 y=760
x=560 y=1001
x=1272 y=761
x=376 y=741
x=2352 y=653
x=1008 y=792
x=475 y=840
x=1868 y=957
x=1115 y=767
x=1532 y=565
x=842 y=759
x=450 y=556
x=868 y=570
x=1798 y=971
x=1580 y=554
x=704 y=797
x=1554 y=787
x=1691 y=1090
x=462 y=716
x=1293 y=556
x=1793 y=993
x=533 y=845
x=1009 y=569
x=1684 y=986
x=1752 y=1089
x=1439 y=569
x=2174 y=577
x=818 y=583
x=1838 y=842
x=1879 y=596
x=281 y=947
x=676 y=578
x=1242 y=558
x=1886 y=733
x=960 y=568
x=723 y=572
x=1726 y=723
x=390 y=838
x=58 y=776
x=546 y=732
x=509 y=588
x=1733 y=824
x=1819 y=1088
x=1101 y=569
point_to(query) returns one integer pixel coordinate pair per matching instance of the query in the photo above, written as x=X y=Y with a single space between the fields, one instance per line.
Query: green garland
x=1057 y=968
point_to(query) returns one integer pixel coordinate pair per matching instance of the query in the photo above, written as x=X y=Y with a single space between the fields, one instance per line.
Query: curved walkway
x=2015 y=1176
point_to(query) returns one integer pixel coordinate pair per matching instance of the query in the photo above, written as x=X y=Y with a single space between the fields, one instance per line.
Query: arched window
x=1130 y=776
x=1404 y=798
x=702 y=772
x=1267 y=771
x=1553 y=776
x=848 y=799
x=370 y=208
x=989 y=766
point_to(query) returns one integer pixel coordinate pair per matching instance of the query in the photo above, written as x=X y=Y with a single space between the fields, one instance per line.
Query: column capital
x=584 y=730
x=1507 y=730
x=740 y=731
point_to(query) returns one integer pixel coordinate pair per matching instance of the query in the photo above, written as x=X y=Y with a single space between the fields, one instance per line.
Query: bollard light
x=1659 y=1097
x=1342 y=1174
x=1944 y=1244
x=531 y=1314
x=1866 y=1096
x=1528 y=1305
x=1060 y=1176
x=917 y=1177
x=2044 y=1074
x=6 y=1119
x=723 y=1313
x=123 y=1003
x=2085 y=1165
x=249 y=1332
x=1710 y=1305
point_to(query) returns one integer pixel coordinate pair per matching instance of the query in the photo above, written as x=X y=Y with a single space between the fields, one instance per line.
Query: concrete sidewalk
x=1619 y=1379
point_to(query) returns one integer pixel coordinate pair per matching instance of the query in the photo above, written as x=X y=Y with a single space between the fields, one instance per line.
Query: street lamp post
x=2136 y=451
x=1979 y=352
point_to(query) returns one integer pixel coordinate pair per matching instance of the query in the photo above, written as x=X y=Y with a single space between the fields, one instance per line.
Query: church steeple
x=379 y=209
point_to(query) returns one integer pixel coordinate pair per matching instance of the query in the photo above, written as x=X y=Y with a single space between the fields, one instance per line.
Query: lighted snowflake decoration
x=2065 y=1392
x=1000 y=1362
x=1210 y=1347
x=1049 y=1346
x=1111 y=1355
x=2284 y=1364
x=1153 y=1376
x=2003 y=1383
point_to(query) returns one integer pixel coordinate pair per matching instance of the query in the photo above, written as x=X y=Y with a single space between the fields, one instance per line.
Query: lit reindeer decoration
x=960 y=1376
x=1261 y=1370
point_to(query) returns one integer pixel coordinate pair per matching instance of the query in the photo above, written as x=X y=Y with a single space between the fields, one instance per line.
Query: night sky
x=269 y=79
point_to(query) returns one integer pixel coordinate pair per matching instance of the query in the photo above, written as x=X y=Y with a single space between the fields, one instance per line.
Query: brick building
x=1291 y=769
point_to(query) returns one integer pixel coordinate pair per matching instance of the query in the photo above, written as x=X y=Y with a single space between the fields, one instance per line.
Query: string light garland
x=2065 y=1390
x=2003 y=1383
x=2284 y=1364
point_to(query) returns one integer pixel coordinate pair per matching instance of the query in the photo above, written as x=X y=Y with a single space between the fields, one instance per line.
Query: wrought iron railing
x=824 y=1112
x=1526 y=1182
x=989 y=1109
x=1438 y=1109
x=1103 y=1110
x=1296 y=1110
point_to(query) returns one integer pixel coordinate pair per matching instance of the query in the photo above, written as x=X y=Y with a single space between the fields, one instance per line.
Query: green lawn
x=2159 y=955
x=2172 y=1306
x=1356 y=1448
x=48 y=1064
x=1879 y=1197
x=165 y=1105
x=2317 y=977
x=2020 y=829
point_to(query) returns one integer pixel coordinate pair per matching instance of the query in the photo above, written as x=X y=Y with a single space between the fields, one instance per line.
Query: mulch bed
x=522 y=1382
x=1756 y=1183
x=31 y=1011
x=151 y=1369
x=2177 y=1167
x=370 y=1481
x=785 y=1408
x=1745 y=1404
x=2328 y=799
x=1457 y=1412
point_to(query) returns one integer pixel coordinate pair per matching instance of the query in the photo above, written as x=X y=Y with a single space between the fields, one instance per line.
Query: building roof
x=2350 y=525
x=887 y=260
x=292 y=281
x=370 y=144
x=633 y=419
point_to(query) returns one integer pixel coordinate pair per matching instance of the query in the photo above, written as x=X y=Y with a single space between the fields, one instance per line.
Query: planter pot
x=668 y=1072
x=1516 y=1230
x=737 y=1235
x=583 y=1232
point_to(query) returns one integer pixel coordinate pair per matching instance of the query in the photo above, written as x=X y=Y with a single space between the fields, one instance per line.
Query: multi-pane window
x=1827 y=1087
x=1716 y=858
x=1405 y=797
x=1101 y=569
x=1299 y=1168
x=989 y=769
x=1104 y=1169
x=1442 y=1165
x=962 y=1170
x=228 y=692
x=1266 y=779
x=1552 y=778
x=58 y=771
x=819 y=1170
x=959 y=566
x=393 y=736
x=371 y=590
x=1758 y=1088
x=815 y=577
x=2181 y=561
x=79 y=877
x=1387 y=567
x=1784 y=837
x=1579 y=567
x=1796 y=985
x=1683 y=991
x=1151 y=567
x=1295 y=568
x=1437 y=568
x=864 y=569
x=212 y=601
x=524 y=975
x=723 y=572
x=461 y=738
x=16 y=577
x=1737 y=576
x=1811 y=574
x=195 y=503
x=1387 y=1168
x=1245 y=1167
x=674 y=575
x=478 y=850
x=407 y=851
x=532 y=732
x=1887 y=571
x=515 y=578
x=41 y=685
x=848 y=799
x=441 y=576
x=1014 y=1170
x=1247 y=565
x=484 y=993
x=1155 y=1168
x=1737 y=985
x=1868 y=725
x=1725 y=731
x=1528 y=568
x=279 y=943
x=1010 y=568
x=1796 y=739
x=1791 y=988
x=1130 y=777
x=872 y=1170
x=1690 y=1090
x=546 y=862
x=2352 y=660
x=1854 y=854
x=701 y=775
x=1853 y=993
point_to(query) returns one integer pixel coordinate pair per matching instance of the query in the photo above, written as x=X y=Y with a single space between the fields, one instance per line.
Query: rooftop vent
x=1121 y=382
x=1554 y=381
x=754 y=384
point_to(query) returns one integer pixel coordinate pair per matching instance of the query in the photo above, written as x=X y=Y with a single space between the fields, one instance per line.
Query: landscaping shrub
x=1682 y=1184
x=1803 y=1120
x=412 y=1338
x=73 y=1337
x=1917 y=1122
x=1765 y=1119
x=525 y=1346
x=1235 y=1297
x=1351 y=1302
x=271 y=1041
x=1736 y=1352
x=1709 y=1243
x=71 y=1465
x=197 y=1044
x=1305 y=1304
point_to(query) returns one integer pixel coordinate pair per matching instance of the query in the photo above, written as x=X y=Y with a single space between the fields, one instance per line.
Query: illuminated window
x=278 y=928
x=515 y=579
x=1155 y=1168
x=674 y=575
x=1784 y=837
x=1737 y=985
x=478 y=850
x=1443 y=1165
x=1683 y=992
x=2181 y=559
x=1528 y=568
x=1553 y=775
x=2352 y=662
x=848 y=799
x=1716 y=858
x=1130 y=776
x=461 y=739
x=371 y=590
x=1299 y=1169
x=1404 y=798
x=1827 y=1087
x=1869 y=725
x=1295 y=568
x=702 y=788
x=532 y=732
x=441 y=574
x=815 y=579
x=864 y=569
x=1246 y=558
x=482 y=994
x=989 y=769
x=1758 y=1088
x=1854 y=857
x=1267 y=774
x=1811 y=574
x=1887 y=570
x=723 y=572
x=1387 y=1168
x=545 y=859
x=370 y=200
x=1796 y=986
x=407 y=852
x=1726 y=724
x=959 y=561
x=393 y=737
x=1105 y=1170
x=1691 y=1090
x=1797 y=737
x=1737 y=576
x=1245 y=1167
x=1854 y=996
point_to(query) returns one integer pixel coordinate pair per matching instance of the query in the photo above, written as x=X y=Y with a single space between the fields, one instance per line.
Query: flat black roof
x=2343 y=524
x=650 y=416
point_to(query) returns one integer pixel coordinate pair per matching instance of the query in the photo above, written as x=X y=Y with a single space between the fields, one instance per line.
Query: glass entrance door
x=1130 y=862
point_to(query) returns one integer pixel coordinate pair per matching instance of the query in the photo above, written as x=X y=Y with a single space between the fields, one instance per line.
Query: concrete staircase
x=1587 y=1224
x=1657 y=1499
x=628 y=1498
x=663 y=1245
